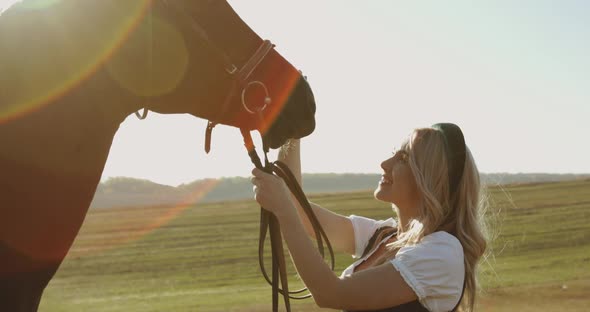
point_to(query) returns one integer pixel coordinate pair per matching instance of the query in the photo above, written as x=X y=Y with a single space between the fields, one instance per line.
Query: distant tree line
x=125 y=192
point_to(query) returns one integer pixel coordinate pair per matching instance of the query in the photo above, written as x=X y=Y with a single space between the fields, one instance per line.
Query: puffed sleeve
x=363 y=230
x=434 y=269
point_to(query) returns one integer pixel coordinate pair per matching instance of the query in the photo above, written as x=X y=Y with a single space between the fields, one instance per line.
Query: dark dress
x=412 y=306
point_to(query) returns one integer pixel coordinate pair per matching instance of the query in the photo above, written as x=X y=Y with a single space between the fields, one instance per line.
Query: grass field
x=203 y=257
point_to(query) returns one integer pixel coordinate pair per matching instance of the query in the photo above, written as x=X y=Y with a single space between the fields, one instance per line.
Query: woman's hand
x=290 y=155
x=272 y=193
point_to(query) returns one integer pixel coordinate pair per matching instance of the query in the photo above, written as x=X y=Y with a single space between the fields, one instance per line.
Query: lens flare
x=153 y=61
x=49 y=47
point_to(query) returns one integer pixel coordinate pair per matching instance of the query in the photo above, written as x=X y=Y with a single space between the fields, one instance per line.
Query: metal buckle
x=233 y=70
x=267 y=99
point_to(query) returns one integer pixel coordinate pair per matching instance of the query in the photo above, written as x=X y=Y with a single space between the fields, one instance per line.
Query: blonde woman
x=424 y=259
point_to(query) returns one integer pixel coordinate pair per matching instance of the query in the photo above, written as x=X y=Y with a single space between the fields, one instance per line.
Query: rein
x=270 y=224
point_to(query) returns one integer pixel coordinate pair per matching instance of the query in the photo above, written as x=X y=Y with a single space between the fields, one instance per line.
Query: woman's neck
x=405 y=214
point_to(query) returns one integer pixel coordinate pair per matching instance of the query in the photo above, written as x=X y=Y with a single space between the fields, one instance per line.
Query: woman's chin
x=381 y=195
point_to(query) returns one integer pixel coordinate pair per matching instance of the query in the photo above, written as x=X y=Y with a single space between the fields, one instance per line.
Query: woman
x=425 y=260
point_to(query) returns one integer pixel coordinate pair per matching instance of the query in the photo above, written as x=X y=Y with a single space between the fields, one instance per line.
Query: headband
x=455 y=150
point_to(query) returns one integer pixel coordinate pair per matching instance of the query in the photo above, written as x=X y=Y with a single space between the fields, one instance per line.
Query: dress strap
x=373 y=240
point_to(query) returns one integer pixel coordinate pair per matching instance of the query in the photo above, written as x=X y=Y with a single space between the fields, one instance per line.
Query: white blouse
x=433 y=268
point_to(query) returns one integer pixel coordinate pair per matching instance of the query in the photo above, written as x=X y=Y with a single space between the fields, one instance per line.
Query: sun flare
x=52 y=65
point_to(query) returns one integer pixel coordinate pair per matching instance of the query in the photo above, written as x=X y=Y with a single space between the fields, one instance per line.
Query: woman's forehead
x=407 y=143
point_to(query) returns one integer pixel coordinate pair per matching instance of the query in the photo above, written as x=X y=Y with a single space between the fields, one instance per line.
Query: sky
x=514 y=75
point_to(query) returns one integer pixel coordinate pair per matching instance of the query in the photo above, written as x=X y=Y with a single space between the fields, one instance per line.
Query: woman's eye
x=403 y=155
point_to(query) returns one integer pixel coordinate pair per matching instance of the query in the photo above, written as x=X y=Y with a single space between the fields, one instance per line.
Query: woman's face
x=397 y=184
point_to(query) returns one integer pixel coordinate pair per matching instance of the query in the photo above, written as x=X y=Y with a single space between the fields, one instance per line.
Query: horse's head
x=276 y=100
x=231 y=77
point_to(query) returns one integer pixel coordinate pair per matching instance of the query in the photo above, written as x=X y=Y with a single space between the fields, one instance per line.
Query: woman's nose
x=385 y=165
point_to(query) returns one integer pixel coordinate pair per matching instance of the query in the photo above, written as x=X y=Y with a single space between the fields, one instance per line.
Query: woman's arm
x=338 y=228
x=374 y=288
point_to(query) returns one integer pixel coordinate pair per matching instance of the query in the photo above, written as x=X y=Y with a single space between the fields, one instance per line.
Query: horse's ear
x=302 y=75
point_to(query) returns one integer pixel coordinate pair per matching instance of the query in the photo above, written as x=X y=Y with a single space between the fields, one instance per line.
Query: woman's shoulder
x=440 y=244
x=442 y=238
x=434 y=269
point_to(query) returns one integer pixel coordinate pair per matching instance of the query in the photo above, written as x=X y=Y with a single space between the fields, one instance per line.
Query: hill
x=127 y=192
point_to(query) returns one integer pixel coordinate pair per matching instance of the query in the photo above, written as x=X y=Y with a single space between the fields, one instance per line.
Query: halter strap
x=240 y=79
x=254 y=61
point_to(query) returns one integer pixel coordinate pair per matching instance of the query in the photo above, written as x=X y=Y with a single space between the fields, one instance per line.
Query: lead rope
x=269 y=224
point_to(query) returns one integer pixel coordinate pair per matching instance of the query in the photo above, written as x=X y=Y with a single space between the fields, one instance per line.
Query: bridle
x=242 y=82
x=241 y=77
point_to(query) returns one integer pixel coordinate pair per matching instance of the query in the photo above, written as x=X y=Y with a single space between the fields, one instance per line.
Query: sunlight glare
x=69 y=56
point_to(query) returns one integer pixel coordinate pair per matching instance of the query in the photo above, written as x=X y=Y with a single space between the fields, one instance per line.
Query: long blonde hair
x=461 y=215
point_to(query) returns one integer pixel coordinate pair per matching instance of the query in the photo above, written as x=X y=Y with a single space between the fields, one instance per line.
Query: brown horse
x=72 y=70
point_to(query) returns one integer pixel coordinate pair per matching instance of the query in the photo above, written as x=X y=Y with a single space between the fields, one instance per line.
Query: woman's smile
x=385 y=180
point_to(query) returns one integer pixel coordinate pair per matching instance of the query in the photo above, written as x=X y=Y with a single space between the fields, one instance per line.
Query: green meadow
x=204 y=257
